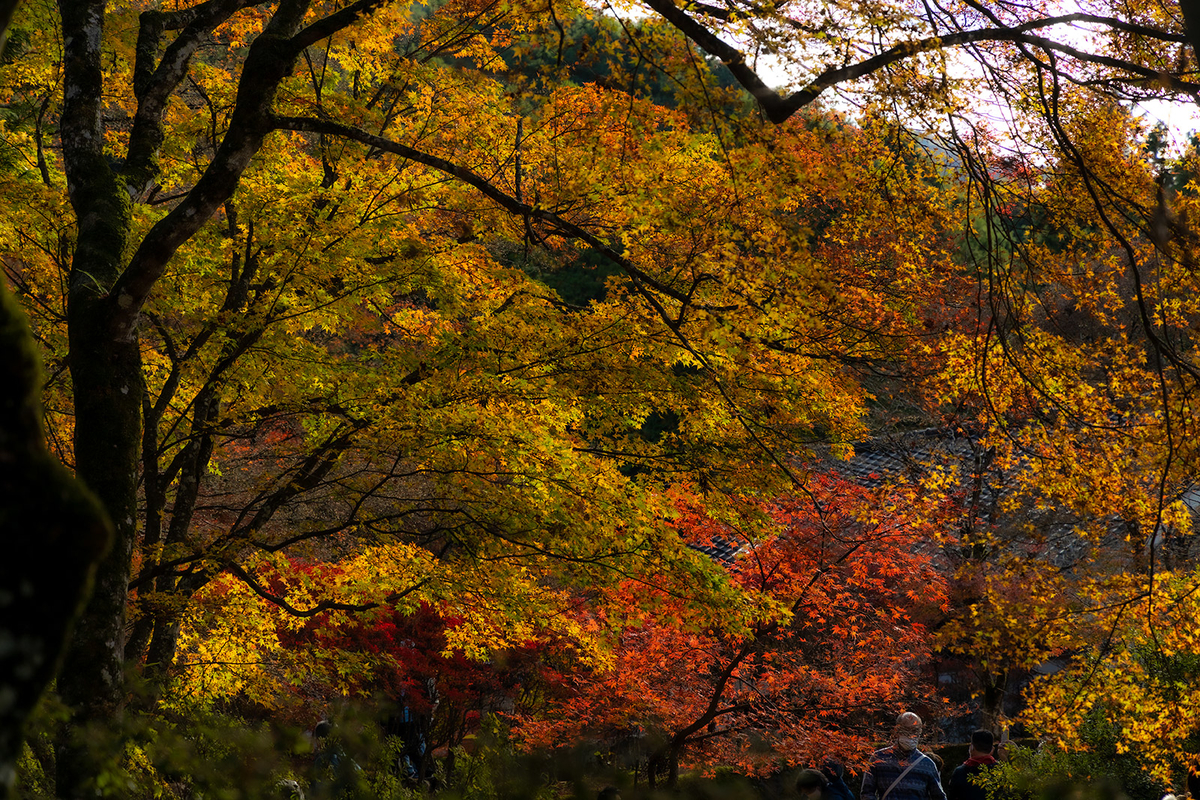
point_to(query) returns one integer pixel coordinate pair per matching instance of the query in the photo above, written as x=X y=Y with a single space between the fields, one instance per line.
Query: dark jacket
x=962 y=784
x=922 y=782
x=836 y=789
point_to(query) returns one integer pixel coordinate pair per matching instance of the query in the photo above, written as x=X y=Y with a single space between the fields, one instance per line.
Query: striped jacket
x=921 y=783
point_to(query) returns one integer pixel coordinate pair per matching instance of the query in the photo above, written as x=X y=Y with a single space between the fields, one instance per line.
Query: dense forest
x=537 y=398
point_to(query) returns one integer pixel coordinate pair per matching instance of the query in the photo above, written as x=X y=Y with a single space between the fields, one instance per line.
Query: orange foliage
x=848 y=579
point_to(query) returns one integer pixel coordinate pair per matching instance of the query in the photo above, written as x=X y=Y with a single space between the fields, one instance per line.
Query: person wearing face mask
x=901 y=771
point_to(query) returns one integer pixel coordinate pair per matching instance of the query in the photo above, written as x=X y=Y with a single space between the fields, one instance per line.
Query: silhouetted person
x=962 y=782
x=824 y=784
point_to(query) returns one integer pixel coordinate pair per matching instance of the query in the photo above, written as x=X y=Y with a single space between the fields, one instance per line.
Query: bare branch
x=486 y=187
x=154 y=85
x=321 y=607
x=778 y=109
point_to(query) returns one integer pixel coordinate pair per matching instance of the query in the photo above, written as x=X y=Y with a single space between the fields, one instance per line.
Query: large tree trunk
x=53 y=530
x=106 y=373
x=53 y=533
x=1191 y=24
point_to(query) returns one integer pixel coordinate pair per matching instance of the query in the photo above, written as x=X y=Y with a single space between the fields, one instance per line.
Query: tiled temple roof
x=909 y=456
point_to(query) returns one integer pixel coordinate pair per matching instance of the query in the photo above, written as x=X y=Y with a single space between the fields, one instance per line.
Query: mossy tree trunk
x=106 y=373
x=54 y=531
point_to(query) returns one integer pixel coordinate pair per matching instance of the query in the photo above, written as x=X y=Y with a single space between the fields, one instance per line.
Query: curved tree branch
x=779 y=109
x=153 y=85
x=321 y=607
x=271 y=58
x=485 y=187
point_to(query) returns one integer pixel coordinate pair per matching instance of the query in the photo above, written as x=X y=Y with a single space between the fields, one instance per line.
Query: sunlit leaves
x=840 y=581
x=1144 y=681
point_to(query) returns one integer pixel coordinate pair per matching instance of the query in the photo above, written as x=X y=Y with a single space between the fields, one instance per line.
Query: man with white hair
x=901 y=771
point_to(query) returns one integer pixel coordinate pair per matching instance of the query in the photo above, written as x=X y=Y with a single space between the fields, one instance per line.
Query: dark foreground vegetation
x=220 y=756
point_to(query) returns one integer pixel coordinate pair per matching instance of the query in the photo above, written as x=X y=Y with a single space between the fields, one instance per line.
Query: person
x=328 y=754
x=825 y=784
x=901 y=771
x=979 y=757
x=289 y=789
x=333 y=772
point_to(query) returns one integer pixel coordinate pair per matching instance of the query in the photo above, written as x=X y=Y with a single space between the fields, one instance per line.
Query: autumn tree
x=54 y=528
x=1082 y=374
x=722 y=317
x=855 y=579
x=430 y=695
x=238 y=463
x=1081 y=367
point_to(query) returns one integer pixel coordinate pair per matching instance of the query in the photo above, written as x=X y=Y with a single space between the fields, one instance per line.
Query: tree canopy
x=373 y=308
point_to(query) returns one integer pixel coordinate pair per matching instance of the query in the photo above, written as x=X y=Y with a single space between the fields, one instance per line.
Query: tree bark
x=106 y=374
x=1191 y=24
x=53 y=532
